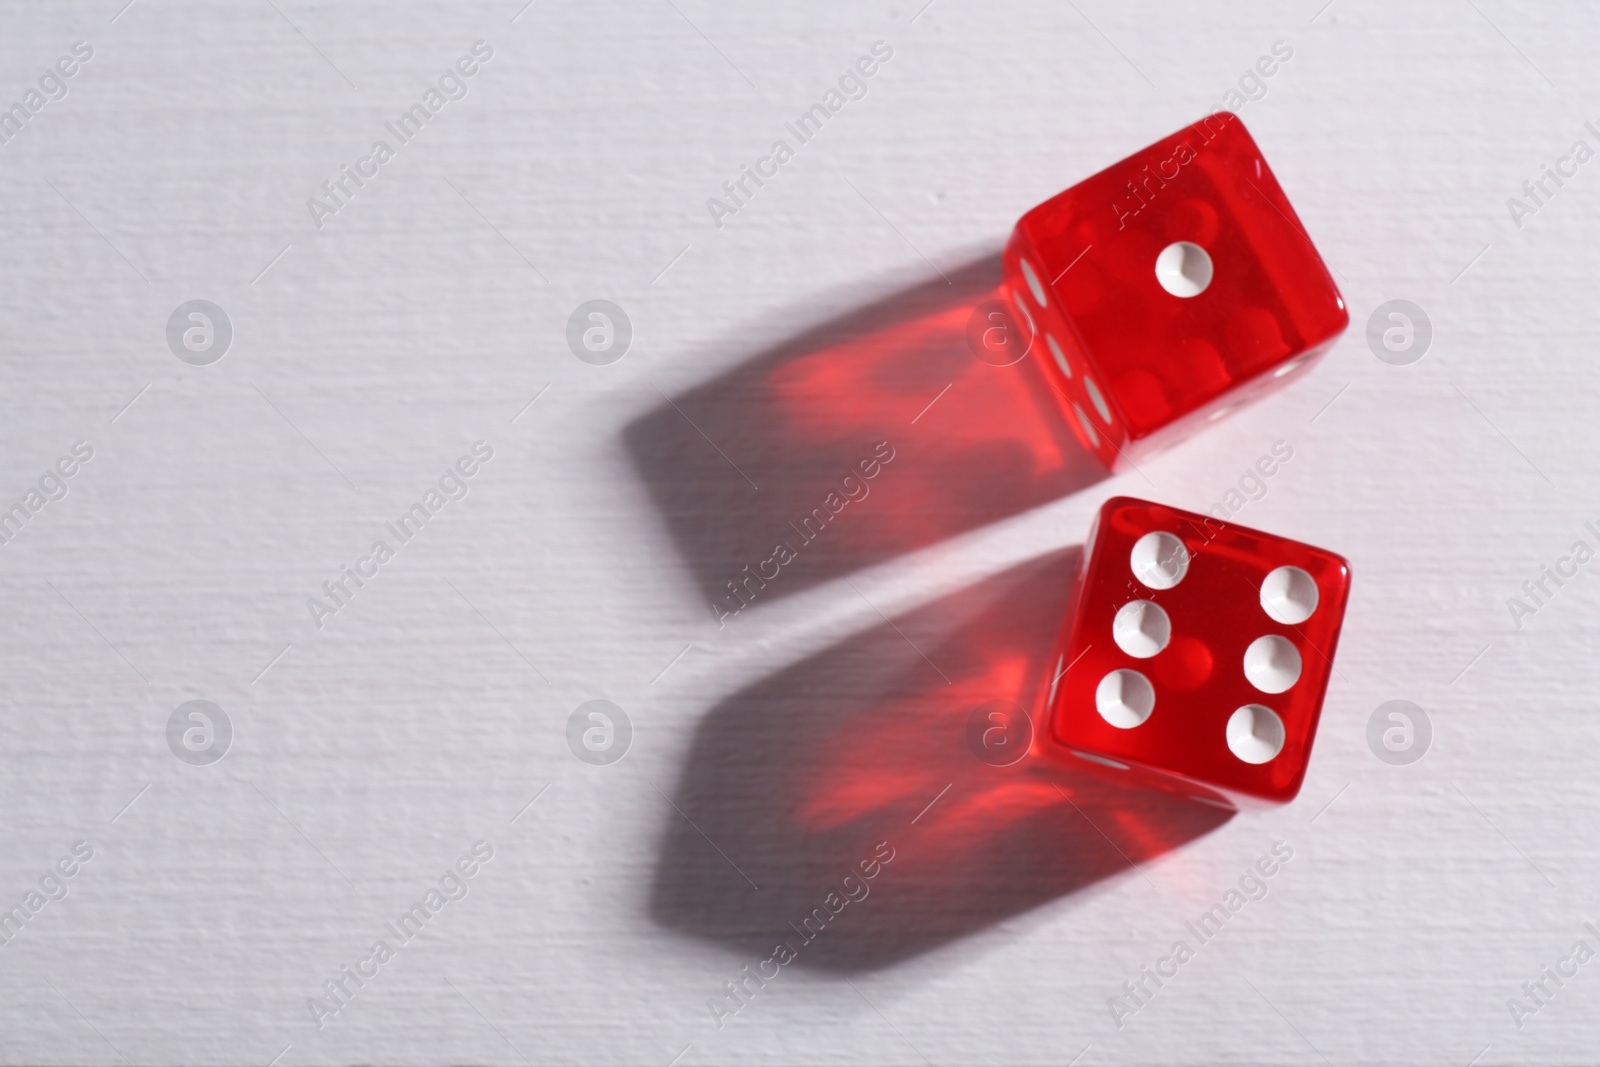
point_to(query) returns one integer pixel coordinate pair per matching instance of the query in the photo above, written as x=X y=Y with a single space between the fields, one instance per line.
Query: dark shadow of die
x=802 y=784
x=876 y=432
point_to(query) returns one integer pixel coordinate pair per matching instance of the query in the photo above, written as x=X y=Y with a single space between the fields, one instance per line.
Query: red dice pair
x=1161 y=294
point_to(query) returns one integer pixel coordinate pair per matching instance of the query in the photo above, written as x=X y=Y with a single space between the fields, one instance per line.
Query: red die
x=1198 y=652
x=1170 y=288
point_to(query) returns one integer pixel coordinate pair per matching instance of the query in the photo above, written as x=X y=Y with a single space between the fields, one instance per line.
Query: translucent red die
x=1170 y=288
x=1197 y=653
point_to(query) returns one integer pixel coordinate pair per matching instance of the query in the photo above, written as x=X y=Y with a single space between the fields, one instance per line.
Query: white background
x=428 y=713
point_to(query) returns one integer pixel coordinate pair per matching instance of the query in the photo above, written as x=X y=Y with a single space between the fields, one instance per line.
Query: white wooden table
x=438 y=700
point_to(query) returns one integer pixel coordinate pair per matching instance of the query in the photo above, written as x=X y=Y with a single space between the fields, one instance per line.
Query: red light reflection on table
x=971 y=443
x=800 y=776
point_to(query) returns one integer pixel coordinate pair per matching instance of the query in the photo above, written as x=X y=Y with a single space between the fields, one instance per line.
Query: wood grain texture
x=431 y=710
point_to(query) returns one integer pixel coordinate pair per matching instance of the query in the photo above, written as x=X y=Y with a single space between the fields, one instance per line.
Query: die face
x=1199 y=649
x=1088 y=405
x=1179 y=280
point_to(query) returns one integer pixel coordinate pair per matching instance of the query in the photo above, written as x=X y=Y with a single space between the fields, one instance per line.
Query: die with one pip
x=1197 y=653
x=1170 y=288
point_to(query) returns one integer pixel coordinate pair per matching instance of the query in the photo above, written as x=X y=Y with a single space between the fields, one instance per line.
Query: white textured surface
x=423 y=717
